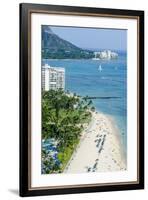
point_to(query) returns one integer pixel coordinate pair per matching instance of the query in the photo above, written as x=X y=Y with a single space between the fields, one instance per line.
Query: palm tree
x=93 y=109
x=63 y=117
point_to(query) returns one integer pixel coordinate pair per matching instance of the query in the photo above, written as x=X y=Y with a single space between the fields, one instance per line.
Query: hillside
x=54 y=47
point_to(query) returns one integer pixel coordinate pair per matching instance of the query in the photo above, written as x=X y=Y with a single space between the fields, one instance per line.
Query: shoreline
x=99 y=149
x=77 y=59
x=65 y=59
x=118 y=135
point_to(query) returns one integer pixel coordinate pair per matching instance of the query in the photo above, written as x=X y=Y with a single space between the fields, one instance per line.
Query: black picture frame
x=25 y=104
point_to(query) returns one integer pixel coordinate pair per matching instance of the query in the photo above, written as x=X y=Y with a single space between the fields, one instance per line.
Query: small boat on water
x=100 y=68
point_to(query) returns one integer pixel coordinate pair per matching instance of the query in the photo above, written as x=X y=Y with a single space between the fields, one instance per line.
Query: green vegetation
x=54 y=47
x=64 y=156
x=63 y=54
x=63 y=119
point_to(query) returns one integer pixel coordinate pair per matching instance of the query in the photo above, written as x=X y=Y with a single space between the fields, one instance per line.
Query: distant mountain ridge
x=54 y=47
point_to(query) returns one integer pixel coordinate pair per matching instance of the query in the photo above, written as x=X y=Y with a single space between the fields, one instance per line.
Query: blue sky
x=93 y=38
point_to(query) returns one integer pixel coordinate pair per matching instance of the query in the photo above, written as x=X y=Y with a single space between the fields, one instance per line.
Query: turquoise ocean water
x=84 y=78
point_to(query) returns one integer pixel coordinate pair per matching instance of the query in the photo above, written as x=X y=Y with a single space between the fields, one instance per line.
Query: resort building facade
x=106 y=55
x=53 y=78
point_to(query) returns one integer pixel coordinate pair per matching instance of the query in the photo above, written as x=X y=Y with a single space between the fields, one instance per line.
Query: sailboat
x=100 y=68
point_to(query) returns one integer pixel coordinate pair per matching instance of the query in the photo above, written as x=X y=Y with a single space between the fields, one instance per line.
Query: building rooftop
x=46 y=66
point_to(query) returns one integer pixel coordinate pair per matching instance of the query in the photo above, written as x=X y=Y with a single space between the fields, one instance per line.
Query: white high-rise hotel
x=53 y=78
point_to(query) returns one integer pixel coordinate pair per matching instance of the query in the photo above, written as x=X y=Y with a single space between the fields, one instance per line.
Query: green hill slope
x=54 y=47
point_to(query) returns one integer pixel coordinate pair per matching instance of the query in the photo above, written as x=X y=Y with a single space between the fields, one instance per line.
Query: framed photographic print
x=81 y=99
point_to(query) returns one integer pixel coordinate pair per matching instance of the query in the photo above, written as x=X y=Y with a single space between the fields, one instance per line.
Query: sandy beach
x=100 y=148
